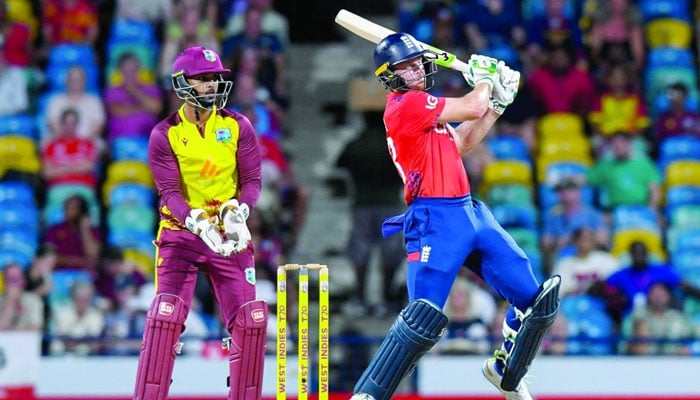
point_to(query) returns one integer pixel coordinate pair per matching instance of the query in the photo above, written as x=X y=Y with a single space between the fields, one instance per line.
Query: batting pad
x=533 y=330
x=247 y=351
x=164 y=324
x=416 y=330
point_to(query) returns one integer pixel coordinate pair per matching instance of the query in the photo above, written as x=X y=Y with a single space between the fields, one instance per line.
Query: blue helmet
x=395 y=49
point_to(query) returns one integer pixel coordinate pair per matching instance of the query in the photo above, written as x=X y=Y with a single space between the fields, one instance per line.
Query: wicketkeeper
x=206 y=166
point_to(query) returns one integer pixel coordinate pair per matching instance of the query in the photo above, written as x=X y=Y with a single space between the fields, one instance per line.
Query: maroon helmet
x=196 y=61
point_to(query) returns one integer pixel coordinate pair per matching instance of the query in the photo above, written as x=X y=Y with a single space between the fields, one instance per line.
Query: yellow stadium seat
x=127 y=171
x=668 y=32
x=557 y=146
x=682 y=173
x=145 y=76
x=506 y=172
x=19 y=153
x=23 y=11
x=143 y=261
x=561 y=125
x=622 y=240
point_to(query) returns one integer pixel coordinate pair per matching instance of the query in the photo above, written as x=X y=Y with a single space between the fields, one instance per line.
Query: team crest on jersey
x=250 y=275
x=223 y=135
x=184 y=141
x=209 y=55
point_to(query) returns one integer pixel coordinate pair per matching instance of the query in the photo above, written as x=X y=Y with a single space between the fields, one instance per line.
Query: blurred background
x=594 y=170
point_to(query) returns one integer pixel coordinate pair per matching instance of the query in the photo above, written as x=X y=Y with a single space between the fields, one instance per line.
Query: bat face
x=374 y=33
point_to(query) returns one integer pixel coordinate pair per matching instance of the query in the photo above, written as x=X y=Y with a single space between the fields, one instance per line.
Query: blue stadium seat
x=24 y=241
x=635 y=217
x=510 y=194
x=548 y=196
x=662 y=103
x=66 y=55
x=131 y=239
x=516 y=216
x=16 y=191
x=670 y=56
x=508 y=147
x=652 y=9
x=18 y=124
x=130 y=217
x=658 y=79
x=130 y=148
x=132 y=194
x=56 y=78
x=16 y=215
x=133 y=31
x=9 y=256
x=590 y=327
x=678 y=148
x=62 y=281
x=679 y=196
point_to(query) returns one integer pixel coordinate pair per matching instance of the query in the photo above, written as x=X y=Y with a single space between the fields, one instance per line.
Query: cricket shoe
x=490 y=371
x=361 y=396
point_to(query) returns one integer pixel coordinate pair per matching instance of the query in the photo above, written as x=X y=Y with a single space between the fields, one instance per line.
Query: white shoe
x=361 y=396
x=491 y=373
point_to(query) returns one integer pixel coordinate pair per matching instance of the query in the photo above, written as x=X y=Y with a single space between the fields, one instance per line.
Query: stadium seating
x=590 y=327
x=18 y=153
x=623 y=239
x=504 y=173
x=668 y=32
x=510 y=194
x=682 y=173
x=507 y=147
x=560 y=125
x=653 y=9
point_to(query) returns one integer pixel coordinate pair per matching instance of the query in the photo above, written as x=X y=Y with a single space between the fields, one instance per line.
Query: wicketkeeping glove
x=234 y=216
x=199 y=223
x=481 y=69
x=505 y=88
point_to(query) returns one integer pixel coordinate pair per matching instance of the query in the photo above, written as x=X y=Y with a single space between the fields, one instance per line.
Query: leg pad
x=247 y=351
x=416 y=330
x=164 y=324
x=536 y=322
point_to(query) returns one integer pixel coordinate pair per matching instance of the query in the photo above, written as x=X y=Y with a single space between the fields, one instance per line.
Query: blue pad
x=531 y=333
x=416 y=330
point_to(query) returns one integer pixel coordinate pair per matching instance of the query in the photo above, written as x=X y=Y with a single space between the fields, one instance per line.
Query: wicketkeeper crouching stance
x=445 y=228
x=206 y=165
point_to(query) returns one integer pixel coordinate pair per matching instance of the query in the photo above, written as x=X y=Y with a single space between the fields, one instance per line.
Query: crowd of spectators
x=87 y=82
x=594 y=170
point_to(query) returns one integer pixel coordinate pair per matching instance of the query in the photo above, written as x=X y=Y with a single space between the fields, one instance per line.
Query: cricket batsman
x=445 y=228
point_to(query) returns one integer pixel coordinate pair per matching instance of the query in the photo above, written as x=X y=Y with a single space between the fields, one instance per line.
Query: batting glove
x=199 y=223
x=481 y=69
x=505 y=88
x=234 y=216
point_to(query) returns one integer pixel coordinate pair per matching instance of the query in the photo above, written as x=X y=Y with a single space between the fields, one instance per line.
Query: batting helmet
x=196 y=61
x=395 y=49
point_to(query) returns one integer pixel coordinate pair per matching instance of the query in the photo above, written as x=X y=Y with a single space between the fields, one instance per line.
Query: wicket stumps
x=303 y=347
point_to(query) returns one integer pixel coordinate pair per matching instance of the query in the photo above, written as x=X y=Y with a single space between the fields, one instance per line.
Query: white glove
x=234 y=216
x=505 y=88
x=198 y=222
x=481 y=69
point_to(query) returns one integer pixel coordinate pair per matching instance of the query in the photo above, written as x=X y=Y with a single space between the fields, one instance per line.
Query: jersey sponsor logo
x=250 y=275
x=166 y=309
x=209 y=168
x=258 y=315
x=223 y=135
x=431 y=102
x=407 y=42
x=414 y=256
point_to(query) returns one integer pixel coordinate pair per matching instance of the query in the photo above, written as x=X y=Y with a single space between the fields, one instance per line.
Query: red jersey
x=423 y=150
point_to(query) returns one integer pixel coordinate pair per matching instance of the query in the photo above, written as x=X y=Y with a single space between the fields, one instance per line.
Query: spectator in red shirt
x=678 y=119
x=69 y=158
x=561 y=86
x=69 y=21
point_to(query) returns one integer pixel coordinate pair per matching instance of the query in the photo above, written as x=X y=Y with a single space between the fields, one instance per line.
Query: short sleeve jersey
x=423 y=150
x=204 y=170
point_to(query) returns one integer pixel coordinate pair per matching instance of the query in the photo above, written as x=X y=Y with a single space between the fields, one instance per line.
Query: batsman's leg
x=164 y=324
x=417 y=328
x=536 y=320
x=247 y=351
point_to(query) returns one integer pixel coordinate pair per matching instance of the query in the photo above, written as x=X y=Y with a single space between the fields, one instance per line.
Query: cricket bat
x=374 y=33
